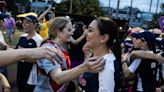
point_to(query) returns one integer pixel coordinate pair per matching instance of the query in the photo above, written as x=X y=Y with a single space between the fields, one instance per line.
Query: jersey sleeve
x=134 y=65
x=47 y=65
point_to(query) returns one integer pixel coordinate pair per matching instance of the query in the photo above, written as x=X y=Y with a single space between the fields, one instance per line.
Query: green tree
x=64 y=6
x=80 y=7
x=91 y=7
x=24 y=2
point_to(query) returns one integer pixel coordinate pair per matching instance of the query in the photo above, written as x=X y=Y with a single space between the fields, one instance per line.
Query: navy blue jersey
x=146 y=72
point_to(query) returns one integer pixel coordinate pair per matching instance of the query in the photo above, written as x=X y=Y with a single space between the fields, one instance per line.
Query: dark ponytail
x=108 y=26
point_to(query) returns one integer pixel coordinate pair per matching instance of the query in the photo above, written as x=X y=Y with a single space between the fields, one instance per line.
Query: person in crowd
x=9 y=25
x=88 y=81
x=75 y=52
x=54 y=77
x=44 y=22
x=127 y=44
x=28 y=40
x=159 y=57
x=143 y=72
x=146 y=55
x=4 y=84
x=102 y=39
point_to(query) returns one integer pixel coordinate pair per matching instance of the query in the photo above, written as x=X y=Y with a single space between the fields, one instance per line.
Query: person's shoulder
x=37 y=37
x=109 y=57
x=47 y=44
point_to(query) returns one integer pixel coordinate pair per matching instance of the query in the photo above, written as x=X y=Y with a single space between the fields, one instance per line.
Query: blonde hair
x=57 y=23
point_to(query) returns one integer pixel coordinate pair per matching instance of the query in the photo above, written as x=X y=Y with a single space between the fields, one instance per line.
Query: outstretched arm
x=147 y=55
x=127 y=73
x=77 y=41
x=12 y=56
x=90 y=65
x=44 y=13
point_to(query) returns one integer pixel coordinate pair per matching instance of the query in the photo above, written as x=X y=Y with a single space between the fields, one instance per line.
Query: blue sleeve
x=47 y=65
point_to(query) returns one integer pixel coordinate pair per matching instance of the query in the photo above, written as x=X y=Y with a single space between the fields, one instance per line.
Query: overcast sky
x=141 y=4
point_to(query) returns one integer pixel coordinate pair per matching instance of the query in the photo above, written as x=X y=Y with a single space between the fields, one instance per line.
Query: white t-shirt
x=106 y=76
x=32 y=80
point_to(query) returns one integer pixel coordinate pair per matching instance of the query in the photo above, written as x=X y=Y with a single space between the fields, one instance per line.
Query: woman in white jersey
x=102 y=39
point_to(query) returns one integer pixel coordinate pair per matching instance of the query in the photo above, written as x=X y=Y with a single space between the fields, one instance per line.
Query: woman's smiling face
x=93 y=36
x=67 y=32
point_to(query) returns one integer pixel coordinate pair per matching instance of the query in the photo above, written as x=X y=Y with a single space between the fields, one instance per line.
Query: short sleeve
x=46 y=64
x=134 y=65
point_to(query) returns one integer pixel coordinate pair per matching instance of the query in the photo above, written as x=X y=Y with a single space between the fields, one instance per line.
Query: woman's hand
x=94 y=64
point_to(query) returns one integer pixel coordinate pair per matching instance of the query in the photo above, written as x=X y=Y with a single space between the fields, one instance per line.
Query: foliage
x=80 y=7
x=23 y=2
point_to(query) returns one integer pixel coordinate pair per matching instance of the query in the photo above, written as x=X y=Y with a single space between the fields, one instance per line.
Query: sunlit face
x=67 y=33
x=93 y=36
x=28 y=26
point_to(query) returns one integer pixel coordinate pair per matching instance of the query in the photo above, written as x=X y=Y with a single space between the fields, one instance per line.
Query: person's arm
x=44 y=13
x=127 y=73
x=77 y=41
x=90 y=65
x=5 y=84
x=13 y=56
x=147 y=55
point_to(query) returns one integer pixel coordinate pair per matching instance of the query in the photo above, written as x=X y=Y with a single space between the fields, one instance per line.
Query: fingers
x=49 y=57
x=92 y=59
x=53 y=54
x=97 y=66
